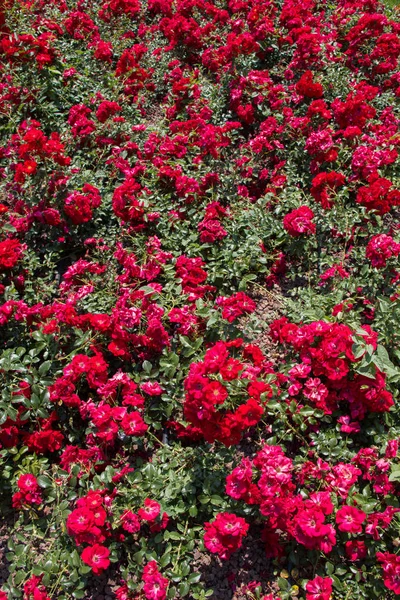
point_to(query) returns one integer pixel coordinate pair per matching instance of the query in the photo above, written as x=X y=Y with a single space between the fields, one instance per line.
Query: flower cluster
x=155 y=585
x=210 y=227
x=91 y=522
x=326 y=375
x=226 y=391
x=29 y=492
x=391 y=569
x=225 y=534
x=79 y=206
x=316 y=520
x=381 y=248
x=235 y=306
x=34 y=590
x=88 y=524
x=10 y=253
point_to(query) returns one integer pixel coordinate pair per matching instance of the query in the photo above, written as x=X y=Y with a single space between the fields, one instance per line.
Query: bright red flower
x=299 y=222
x=319 y=588
x=96 y=557
x=130 y=522
x=133 y=424
x=10 y=253
x=28 y=484
x=356 y=550
x=80 y=520
x=33 y=590
x=350 y=519
x=216 y=393
x=106 y=109
x=324 y=185
x=150 y=510
x=155 y=585
x=225 y=535
x=152 y=388
x=306 y=87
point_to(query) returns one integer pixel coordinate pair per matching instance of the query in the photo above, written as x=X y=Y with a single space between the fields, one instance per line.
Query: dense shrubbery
x=161 y=163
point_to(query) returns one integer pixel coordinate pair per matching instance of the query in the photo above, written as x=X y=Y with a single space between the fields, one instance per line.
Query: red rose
x=299 y=221
x=133 y=424
x=350 y=519
x=319 y=588
x=96 y=557
x=150 y=511
x=10 y=253
x=80 y=520
x=28 y=483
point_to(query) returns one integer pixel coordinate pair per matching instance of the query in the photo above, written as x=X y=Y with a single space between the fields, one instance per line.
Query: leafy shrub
x=162 y=164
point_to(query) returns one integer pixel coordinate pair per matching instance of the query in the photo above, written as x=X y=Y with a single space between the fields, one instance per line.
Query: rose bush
x=162 y=166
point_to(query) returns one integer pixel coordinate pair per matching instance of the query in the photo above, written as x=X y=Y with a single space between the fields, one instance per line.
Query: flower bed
x=162 y=164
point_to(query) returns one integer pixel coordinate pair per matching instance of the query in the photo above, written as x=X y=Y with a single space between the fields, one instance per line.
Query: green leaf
x=204 y=499
x=76 y=560
x=44 y=367
x=217 y=500
x=184 y=589
x=382 y=361
x=358 y=350
x=19 y=549
x=19 y=577
x=138 y=557
x=8 y=227
x=329 y=568
x=84 y=569
x=307 y=411
x=245 y=280
x=147 y=366
x=44 y=481
x=165 y=559
x=394 y=475
x=283 y=583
